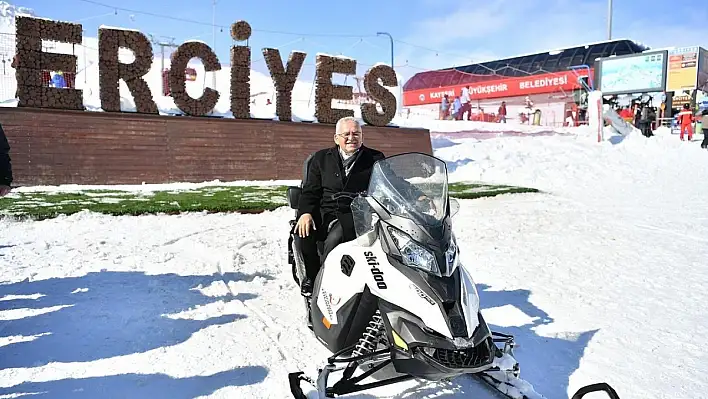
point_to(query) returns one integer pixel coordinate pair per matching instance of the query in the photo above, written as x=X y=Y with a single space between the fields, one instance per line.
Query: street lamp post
x=609 y=19
x=391 y=38
x=400 y=93
x=213 y=38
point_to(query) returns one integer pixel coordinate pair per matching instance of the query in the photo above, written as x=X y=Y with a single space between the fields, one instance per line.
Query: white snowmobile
x=397 y=294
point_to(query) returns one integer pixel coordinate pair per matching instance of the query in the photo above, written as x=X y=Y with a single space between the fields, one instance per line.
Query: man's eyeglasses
x=355 y=135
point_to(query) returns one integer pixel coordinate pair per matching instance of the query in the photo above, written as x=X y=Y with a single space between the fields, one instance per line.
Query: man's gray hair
x=341 y=122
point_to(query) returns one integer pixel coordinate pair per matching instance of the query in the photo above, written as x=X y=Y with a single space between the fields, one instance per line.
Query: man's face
x=350 y=138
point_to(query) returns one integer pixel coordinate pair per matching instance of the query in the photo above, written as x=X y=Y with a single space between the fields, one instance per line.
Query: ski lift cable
x=430 y=49
x=280 y=47
x=96 y=16
x=358 y=42
x=373 y=45
x=187 y=20
x=195 y=37
x=316 y=43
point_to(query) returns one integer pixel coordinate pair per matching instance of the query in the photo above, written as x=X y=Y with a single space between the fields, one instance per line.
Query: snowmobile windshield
x=412 y=186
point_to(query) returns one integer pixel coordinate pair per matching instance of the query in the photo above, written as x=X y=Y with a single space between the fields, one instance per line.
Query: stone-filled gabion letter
x=180 y=58
x=379 y=93
x=111 y=70
x=325 y=91
x=284 y=79
x=241 y=72
x=240 y=31
x=31 y=61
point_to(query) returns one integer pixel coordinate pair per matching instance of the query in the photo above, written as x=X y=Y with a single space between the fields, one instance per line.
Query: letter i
x=241 y=71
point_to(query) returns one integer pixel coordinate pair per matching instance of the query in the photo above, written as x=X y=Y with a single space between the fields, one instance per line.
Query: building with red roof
x=548 y=87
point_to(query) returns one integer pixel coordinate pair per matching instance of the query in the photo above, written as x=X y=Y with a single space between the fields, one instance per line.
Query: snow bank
x=344 y=57
x=118 y=28
x=568 y=164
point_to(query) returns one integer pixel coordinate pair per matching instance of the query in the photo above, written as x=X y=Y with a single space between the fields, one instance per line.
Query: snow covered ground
x=601 y=278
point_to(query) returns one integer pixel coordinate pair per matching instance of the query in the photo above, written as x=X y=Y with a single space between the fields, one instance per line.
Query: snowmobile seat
x=293 y=192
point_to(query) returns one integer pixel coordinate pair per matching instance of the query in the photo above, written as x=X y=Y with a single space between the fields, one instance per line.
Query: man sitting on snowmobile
x=345 y=167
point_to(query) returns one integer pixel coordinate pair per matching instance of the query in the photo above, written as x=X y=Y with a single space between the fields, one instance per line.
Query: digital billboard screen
x=702 y=83
x=635 y=73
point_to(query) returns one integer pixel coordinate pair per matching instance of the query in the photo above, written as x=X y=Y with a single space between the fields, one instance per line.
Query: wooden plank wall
x=52 y=147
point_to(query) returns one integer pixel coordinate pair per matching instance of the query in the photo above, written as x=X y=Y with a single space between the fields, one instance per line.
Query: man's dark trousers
x=308 y=246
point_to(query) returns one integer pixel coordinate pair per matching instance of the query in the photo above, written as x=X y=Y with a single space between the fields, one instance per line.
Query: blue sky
x=428 y=34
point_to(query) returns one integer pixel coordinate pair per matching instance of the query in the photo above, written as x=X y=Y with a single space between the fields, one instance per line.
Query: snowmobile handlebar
x=347 y=194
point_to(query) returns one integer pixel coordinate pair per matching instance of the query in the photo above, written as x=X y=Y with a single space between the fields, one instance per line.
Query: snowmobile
x=397 y=295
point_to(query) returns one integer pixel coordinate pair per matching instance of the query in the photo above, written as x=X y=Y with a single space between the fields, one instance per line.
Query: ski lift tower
x=163 y=43
x=359 y=94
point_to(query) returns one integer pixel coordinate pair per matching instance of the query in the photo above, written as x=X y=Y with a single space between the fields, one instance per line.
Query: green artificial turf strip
x=43 y=205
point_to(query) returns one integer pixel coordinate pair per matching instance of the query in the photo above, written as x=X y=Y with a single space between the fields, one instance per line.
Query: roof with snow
x=524 y=65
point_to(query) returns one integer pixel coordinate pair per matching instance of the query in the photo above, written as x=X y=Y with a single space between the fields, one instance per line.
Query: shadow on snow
x=138 y=386
x=546 y=362
x=104 y=314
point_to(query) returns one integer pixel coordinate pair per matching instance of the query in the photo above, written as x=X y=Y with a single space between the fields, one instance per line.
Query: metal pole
x=84 y=64
x=162 y=68
x=213 y=39
x=390 y=38
x=162 y=59
x=609 y=19
x=400 y=97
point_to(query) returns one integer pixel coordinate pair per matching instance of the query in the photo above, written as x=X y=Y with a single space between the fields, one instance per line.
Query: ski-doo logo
x=327 y=299
x=422 y=294
x=378 y=274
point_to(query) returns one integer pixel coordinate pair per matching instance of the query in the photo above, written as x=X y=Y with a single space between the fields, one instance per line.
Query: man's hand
x=428 y=202
x=4 y=190
x=304 y=224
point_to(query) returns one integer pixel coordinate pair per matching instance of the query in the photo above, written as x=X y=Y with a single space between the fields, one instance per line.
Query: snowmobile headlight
x=451 y=254
x=413 y=254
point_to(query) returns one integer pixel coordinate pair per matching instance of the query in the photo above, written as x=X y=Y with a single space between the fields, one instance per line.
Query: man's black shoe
x=306 y=287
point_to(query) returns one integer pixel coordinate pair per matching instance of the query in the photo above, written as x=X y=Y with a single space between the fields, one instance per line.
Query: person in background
x=569 y=118
x=466 y=105
x=502 y=112
x=58 y=80
x=685 y=120
x=5 y=165
x=626 y=114
x=704 y=123
x=457 y=109
x=445 y=107
x=14 y=65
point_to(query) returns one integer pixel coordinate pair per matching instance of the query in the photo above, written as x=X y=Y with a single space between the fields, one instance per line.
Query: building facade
x=547 y=88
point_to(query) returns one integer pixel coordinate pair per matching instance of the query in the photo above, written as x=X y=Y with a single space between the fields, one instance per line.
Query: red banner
x=501 y=88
